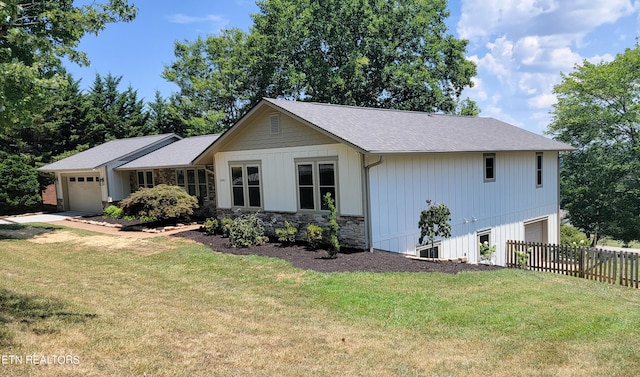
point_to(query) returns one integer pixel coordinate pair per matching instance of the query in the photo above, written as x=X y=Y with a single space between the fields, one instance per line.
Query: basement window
x=429 y=251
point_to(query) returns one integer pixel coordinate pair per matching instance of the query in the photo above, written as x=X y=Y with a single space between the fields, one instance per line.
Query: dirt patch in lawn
x=104 y=242
x=347 y=260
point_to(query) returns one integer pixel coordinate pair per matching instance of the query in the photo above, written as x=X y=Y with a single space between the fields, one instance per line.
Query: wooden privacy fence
x=614 y=267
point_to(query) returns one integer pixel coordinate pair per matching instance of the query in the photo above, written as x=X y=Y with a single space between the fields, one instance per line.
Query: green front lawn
x=170 y=307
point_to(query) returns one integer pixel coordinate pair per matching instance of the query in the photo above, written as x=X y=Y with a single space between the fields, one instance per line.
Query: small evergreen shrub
x=314 y=235
x=211 y=226
x=332 y=232
x=225 y=226
x=114 y=212
x=247 y=230
x=161 y=202
x=287 y=235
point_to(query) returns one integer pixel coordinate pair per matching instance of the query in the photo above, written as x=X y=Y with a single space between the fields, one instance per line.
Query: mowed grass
x=169 y=307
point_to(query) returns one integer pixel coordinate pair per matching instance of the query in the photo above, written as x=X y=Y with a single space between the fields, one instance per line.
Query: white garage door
x=535 y=232
x=84 y=193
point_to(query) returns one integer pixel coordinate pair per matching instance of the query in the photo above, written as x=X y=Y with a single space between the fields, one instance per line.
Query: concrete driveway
x=40 y=217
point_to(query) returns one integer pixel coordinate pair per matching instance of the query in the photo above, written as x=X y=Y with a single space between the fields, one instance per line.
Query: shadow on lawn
x=39 y=315
x=24 y=231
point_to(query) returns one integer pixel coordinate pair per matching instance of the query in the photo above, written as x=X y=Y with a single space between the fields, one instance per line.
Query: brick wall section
x=350 y=234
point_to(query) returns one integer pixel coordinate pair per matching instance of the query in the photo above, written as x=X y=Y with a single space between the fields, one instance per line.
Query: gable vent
x=275 y=124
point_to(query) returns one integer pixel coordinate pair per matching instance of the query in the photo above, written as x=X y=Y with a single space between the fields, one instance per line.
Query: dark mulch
x=346 y=261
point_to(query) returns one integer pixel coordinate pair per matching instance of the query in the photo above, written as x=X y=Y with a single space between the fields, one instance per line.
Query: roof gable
x=114 y=150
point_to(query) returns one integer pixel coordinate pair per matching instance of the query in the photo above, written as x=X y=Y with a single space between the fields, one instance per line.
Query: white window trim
x=480 y=233
x=485 y=157
x=245 y=183
x=437 y=244
x=198 y=184
x=317 y=199
x=539 y=169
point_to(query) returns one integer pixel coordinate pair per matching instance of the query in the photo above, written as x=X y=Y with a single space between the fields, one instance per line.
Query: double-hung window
x=315 y=178
x=145 y=179
x=246 y=185
x=194 y=182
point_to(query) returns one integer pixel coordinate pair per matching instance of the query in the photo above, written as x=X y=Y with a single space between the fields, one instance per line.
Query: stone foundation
x=350 y=234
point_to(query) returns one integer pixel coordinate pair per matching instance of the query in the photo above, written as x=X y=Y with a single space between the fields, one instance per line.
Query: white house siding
x=279 y=176
x=118 y=182
x=401 y=185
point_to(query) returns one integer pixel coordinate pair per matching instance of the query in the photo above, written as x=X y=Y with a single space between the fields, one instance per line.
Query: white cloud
x=478 y=92
x=217 y=22
x=543 y=101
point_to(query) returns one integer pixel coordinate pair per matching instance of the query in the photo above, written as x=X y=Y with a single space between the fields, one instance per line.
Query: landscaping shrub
x=287 y=235
x=114 y=212
x=570 y=235
x=225 y=225
x=246 y=230
x=161 y=202
x=332 y=232
x=211 y=226
x=314 y=235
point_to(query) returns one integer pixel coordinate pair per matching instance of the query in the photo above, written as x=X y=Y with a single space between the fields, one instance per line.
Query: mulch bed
x=348 y=260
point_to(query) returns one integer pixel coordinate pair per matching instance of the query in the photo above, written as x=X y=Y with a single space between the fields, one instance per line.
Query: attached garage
x=84 y=193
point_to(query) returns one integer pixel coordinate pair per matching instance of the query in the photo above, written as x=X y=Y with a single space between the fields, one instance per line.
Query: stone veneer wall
x=350 y=234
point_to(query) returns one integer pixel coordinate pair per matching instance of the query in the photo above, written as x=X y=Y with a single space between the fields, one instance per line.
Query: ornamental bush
x=287 y=235
x=246 y=230
x=314 y=235
x=161 y=202
x=114 y=212
x=211 y=226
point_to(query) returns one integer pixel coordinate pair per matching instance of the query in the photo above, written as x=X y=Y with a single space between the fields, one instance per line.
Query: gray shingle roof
x=396 y=131
x=180 y=153
x=103 y=154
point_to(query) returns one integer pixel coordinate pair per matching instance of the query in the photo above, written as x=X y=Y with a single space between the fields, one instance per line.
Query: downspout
x=367 y=200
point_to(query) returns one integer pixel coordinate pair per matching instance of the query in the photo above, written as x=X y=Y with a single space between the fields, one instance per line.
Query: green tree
x=376 y=53
x=163 y=117
x=113 y=114
x=434 y=222
x=598 y=112
x=214 y=77
x=19 y=188
x=34 y=36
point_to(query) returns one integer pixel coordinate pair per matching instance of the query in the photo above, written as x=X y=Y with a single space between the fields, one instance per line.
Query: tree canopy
x=34 y=36
x=598 y=112
x=376 y=53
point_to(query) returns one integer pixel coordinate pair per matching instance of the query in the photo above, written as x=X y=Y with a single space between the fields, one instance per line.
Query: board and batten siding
x=257 y=133
x=278 y=173
x=401 y=185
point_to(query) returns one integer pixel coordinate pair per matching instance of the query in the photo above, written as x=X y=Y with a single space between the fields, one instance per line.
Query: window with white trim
x=246 y=188
x=489 y=167
x=145 y=179
x=539 y=163
x=194 y=182
x=315 y=178
x=430 y=250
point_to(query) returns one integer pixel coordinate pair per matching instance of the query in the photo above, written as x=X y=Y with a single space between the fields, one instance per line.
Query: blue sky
x=520 y=46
